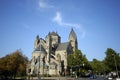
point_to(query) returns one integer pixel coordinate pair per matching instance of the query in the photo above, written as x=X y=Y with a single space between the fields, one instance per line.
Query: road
x=68 y=78
x=98 y=78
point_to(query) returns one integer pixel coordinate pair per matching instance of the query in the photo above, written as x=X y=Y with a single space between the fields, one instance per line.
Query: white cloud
x=58 y=19
x=43 y=4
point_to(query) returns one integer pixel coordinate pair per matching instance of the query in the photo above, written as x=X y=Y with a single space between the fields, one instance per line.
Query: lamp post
x=83 y=64
x=71 y=71
x=65 y=64
x=39 y=64
x=47 y=70
x=116 y=65
x=39 y=69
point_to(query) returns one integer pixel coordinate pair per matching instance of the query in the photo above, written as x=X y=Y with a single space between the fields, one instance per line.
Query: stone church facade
x=50 y=55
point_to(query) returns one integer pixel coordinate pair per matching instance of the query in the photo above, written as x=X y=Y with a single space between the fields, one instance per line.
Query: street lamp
x=47 y=70
x=39 y=64
x=116 y=65
x=39 y=68
x=71 y=71
x=83 y=64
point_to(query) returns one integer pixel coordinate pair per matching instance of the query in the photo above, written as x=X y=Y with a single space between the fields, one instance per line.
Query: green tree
x=111 y=57
x=75 y=58
x=70 y=60
x=78 y=59
x=98 y=66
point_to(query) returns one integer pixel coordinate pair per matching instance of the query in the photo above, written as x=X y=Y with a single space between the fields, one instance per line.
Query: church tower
x=73 y=40
x=36 y=43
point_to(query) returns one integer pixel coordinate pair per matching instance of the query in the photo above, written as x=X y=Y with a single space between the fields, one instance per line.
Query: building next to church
x=50 y=55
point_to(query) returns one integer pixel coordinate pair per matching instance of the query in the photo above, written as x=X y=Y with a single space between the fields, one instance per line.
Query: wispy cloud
x=43 y=4
x=59 y=20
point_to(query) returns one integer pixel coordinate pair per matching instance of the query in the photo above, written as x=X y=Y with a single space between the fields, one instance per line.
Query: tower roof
x=72 y=34
x=53 y=34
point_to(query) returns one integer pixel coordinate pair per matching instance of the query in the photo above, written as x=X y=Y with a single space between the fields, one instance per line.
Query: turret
x=36 y=43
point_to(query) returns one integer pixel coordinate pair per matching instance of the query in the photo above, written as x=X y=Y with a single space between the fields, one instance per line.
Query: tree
x=111 y=57
x=13 y=65
x=70 y=60
x=4 y=70
x=78 y=59
x=98 y=66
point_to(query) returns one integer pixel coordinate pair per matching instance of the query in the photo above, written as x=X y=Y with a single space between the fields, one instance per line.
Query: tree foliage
x=98 y=66
x=111 y=57
x=104 y=66
x=13 y=65
x=78 y=59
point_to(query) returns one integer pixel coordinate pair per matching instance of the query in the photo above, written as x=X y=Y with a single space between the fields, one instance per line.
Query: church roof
x=72 y=34
x=53 y=33
x=62 y=46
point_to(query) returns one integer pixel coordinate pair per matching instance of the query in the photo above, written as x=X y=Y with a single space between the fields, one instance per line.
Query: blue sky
x=96 y=23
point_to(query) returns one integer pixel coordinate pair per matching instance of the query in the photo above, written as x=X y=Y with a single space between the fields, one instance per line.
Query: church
x=49 y=56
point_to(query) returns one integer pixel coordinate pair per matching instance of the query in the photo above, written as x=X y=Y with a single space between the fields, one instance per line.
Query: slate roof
x=62 y=46
x=54 y=33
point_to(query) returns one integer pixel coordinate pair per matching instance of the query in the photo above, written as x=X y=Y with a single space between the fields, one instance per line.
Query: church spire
x=73 y=39
x=72 y=35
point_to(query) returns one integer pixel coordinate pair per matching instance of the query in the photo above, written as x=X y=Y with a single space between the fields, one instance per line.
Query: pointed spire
x=49 y=33
x=72 y=35
x=37 y=37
